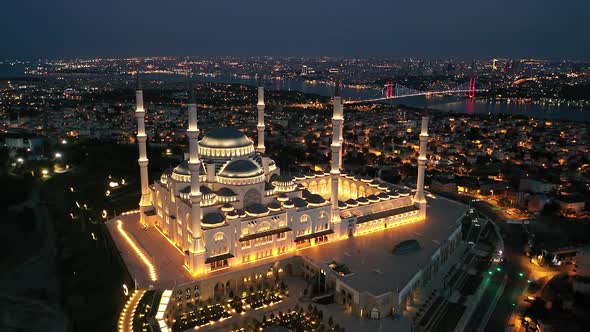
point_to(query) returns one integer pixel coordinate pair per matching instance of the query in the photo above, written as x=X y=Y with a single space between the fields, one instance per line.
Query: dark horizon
x=376 y=28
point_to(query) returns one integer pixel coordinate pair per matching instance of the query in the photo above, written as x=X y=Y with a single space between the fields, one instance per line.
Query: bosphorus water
x=457 y=104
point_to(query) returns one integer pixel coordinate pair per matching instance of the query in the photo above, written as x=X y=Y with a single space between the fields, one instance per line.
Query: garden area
x=209 y=313
x=296 y=319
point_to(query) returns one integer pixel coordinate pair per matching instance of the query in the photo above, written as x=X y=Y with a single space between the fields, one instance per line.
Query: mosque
x=228 y=203
x=226 y=218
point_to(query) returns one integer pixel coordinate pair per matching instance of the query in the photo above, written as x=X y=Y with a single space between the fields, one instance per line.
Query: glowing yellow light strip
x=136 y=296
x=151 y=268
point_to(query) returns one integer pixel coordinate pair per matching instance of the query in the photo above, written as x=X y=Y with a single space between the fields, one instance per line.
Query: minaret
x=336 y=148
x=145 y=201
x=194 y=164
x=260 y=106
x=419 y=197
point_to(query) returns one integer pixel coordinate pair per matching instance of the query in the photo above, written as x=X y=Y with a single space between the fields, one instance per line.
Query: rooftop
x=373 y=266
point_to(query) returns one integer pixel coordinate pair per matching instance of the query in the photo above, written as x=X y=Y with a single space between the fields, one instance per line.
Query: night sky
x=423 y=28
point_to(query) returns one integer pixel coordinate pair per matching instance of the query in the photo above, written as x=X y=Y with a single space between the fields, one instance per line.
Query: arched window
x=265 y=226
x=218 y=237
x=323 y=187
x=324 y=216
x=304 y=218
x=313 y=187
x=158 y=198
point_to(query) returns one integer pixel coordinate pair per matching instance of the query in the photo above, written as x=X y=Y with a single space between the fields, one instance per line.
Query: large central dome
x=227 y=137
x=224 y=144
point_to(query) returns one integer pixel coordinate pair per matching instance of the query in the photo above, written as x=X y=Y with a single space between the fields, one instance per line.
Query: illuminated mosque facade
x=228 y=204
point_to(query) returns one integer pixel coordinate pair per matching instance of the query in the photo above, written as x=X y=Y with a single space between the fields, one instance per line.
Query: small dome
x=225 y=138
x=299 y=202
x=225 y=192
x=274 y=205
x=227 y=207
x=383 y=196
x=205 y=190
x=393 y=194
x=213 y=218
x=342 y=205
x=306 y=193
x=351 y=202
x=256 y=209
x=315 y=199
x=183 y=169
x=241 y=168
x=373 y=198
x=362 y=200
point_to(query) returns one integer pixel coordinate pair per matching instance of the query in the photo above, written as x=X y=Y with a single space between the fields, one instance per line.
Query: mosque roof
x=257 y=209
x=299 y=202
x=225 y=137
x=213 y=218
x=183 y=169
x=241 y=168
x=225 y=192
x=315 y=199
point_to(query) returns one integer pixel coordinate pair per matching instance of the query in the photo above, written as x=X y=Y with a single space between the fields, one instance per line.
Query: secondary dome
x=227 y=137
x=241 y=168
x=182 y=172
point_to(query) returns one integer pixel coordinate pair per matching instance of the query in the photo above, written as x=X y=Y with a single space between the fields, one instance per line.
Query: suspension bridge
x=395 y=90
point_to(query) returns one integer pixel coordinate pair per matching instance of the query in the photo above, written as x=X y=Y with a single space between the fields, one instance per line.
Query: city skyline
x=385 y=29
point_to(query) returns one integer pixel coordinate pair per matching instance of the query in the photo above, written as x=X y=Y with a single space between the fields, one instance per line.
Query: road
x=517 y=269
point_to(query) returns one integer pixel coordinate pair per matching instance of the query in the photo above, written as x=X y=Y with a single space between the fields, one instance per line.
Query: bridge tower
x=389 y=89
x=472 y=87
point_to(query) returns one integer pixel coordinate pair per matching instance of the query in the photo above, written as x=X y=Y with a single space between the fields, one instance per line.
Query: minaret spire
x=194 y=164
x=336 y=147
x=260 y=106
x=143 y=161
x=419 y=197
